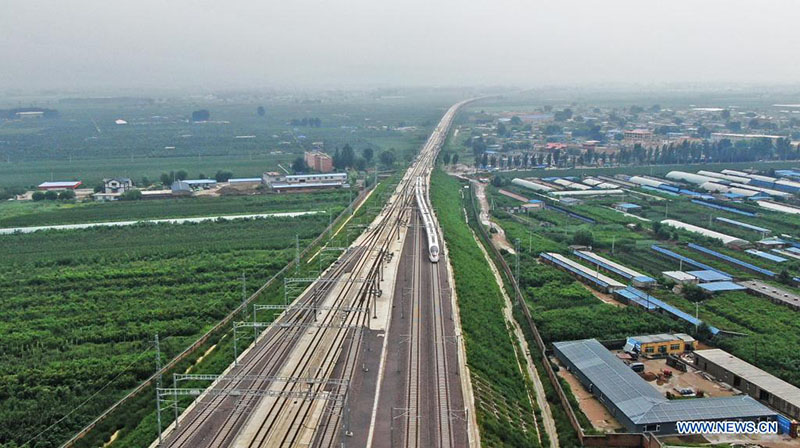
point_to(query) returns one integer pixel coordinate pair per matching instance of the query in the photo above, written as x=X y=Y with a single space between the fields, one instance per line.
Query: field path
x=541 y=400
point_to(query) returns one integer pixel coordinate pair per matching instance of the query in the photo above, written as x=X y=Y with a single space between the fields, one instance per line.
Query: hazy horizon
x=84 y=44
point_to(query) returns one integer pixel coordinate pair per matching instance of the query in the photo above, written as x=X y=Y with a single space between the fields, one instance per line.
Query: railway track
x=254 y=370
x=291 y=388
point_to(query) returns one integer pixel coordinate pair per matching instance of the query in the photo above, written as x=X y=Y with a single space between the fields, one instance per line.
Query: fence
x=219 y=326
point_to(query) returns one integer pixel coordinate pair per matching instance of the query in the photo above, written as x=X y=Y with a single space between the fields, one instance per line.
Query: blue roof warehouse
x=639 y=406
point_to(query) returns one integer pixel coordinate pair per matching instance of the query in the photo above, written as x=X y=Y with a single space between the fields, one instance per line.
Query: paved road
x=11 y=230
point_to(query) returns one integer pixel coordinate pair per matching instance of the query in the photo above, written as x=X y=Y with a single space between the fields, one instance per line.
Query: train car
x=427 y=222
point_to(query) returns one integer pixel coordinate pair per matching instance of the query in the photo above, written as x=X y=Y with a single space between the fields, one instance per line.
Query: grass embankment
x=504 y=412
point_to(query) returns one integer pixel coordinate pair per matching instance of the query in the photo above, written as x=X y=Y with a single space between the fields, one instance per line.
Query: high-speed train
x=427 y=221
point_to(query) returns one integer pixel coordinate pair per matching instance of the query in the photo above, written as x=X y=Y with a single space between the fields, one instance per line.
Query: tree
x=563 y=115
x=583 y=238
x=367 y=154
x=785 y=277
x=146 y=181
x=37 y=196
x=725 y=114
x=299 y=165
x=50 y=195
x=454 y=159
x=201 y=115
x=516 y=121
x=181 y=175
x=66 y=195
x=131 y=195
x=261 y=111
x=501 y=129
x=223 y=176
x=348 y=156
x=167 y=178
x=387 y=158
x=694 y=293
x=446 y=158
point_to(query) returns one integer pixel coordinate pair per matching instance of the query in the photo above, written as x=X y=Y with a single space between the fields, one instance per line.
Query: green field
x=490 y=346
x=85 y=144
x=80 y=306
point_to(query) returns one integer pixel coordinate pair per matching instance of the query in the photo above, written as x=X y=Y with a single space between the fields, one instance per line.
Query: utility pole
x=516 y=247
x=158 y=386
x=244 y=288
x=529 y=239
x=696 y=316
x=296 y=253
x=330 y=222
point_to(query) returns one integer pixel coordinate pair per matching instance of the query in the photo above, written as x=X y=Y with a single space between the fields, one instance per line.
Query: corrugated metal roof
x=582 y=270
x=640 y=401
x=710 y=276
x=766 y=256
x=732 y=260
x=752 y=374
x=607 y=264
x=743 y=225
x=721 y=286
x=60 y=184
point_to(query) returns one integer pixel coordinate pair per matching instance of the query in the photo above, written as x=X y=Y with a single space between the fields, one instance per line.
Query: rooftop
x=752 y=374
x=710 y=276
x=721 y=286
x=662 y=337
x=60 y=184
x=680 y=275
x=640 y=402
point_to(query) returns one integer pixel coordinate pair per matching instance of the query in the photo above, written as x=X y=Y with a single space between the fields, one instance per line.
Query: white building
x=287 y=182
x=117 y=185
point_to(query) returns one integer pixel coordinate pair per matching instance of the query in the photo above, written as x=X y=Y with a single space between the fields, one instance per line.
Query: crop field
x=86 y=144
x=135 y=425
x=27 y=213
x=80 y=307
x=490 y=347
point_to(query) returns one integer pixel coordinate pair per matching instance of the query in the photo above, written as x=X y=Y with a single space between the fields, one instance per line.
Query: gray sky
x=348 y=43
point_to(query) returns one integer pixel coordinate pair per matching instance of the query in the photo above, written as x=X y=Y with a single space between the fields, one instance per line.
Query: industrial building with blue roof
x=638 y=405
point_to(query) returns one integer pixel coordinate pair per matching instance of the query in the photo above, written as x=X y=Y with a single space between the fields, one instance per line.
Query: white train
x=427 y=221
